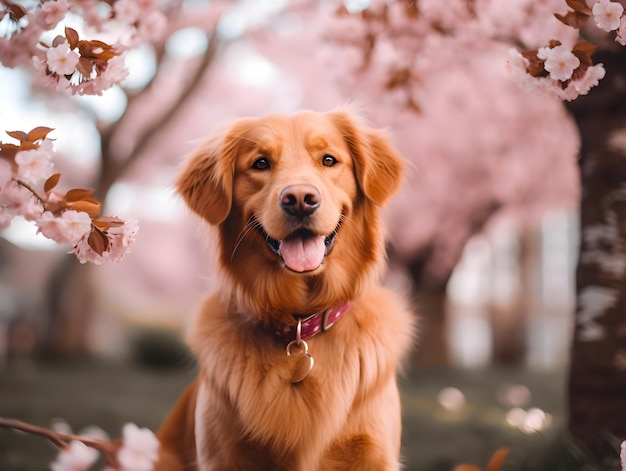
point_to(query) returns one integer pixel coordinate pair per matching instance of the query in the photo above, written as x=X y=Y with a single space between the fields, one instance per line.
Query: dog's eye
x=261 y=164
x=328 y=160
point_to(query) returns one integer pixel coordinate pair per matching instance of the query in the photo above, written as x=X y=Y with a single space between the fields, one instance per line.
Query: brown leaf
x=84 y=66
x=27 y=145
x=582 y=50
x=19 y=135
x=574 y=19
x=578 y=6
x=39 y=133
x=584 y=47
x=90 y=207
x=58 y=39
x=399 y=78
x=411 y=9
x=535 y=66
x=98 y=241
x=16 y=12
x=96 y=50
x=51 y=182
x=106 y=222
x=8 y=151
x=78 y=194
x=554 y=43
x=72 y=37
x=495 y=463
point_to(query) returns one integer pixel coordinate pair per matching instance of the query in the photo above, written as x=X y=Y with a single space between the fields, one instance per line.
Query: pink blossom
x=126 y=11
x=16 y=199
x=61 y=59
x=76 y=457
x=622 y=455
x=49 y=13
x=85 y=254
x=592 y=77
x=69 y=228
x=90 y=87
x=116 y=71
x=34 y=165
x=6 y=216
x=517 y=65
x=607 y=14
x=120 y=239
x=147 y=5
x=90 y=12
x=345 y=29
x=17 y=50
x=53 y=81
x=151 y=27
x=139 y=450
x=560 y=61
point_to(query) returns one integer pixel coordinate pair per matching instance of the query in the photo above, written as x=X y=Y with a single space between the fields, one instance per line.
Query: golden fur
x=243 y=412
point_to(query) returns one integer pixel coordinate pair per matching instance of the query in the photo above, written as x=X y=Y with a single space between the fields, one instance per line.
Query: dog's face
x=295 y=200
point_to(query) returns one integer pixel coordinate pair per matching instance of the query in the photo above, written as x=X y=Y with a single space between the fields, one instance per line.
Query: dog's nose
x=300 y=200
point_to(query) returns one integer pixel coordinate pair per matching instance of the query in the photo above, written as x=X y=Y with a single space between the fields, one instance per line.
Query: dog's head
x=295 y=199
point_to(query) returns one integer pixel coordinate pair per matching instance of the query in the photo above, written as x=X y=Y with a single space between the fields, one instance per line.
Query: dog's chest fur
x=247 y=394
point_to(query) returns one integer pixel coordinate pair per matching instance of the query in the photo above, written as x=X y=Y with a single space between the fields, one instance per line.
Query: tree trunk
x=597 y=383
x=70 y=310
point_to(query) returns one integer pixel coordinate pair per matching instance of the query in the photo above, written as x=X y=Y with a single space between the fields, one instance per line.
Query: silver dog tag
x=303 y=360
x=303 y=367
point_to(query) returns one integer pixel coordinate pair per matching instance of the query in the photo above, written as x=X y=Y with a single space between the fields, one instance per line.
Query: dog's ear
x=206 y=181
x=379 y=167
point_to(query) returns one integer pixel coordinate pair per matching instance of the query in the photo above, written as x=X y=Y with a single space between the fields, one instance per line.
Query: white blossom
x=76 y=457
x=69 y=228
x=61 y=59
x=607 y=14
x=34 y=165
x=560 y=61
x=140 y=449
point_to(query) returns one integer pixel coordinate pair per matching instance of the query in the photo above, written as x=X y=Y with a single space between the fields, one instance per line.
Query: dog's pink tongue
x=303 y=254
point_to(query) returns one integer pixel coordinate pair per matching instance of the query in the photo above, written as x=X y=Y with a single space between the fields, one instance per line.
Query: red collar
x=315 y=323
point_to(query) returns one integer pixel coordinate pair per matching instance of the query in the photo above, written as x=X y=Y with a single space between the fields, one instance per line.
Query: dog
x=299 y=345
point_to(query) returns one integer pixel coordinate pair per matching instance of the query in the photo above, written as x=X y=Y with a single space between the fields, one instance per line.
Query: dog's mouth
x=302 y=250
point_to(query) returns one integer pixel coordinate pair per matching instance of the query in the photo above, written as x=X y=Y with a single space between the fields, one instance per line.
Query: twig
x=62 y=440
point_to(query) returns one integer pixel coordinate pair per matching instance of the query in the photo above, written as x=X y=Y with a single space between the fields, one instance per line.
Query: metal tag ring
x=300 y=344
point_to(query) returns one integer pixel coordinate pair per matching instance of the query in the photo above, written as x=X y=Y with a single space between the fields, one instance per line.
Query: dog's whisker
x=250 y=225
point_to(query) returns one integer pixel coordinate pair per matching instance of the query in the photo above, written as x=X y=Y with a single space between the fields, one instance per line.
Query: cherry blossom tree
x=557 y=59
x=415 y=64
x=63 y=63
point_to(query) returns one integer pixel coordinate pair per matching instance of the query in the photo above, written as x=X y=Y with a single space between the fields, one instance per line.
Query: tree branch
x=111 y=171
x=62 y=440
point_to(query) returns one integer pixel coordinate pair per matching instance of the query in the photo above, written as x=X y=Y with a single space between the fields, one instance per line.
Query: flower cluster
x=84 y=67
x=568 y=71
x=27 y=189
x=137 y=450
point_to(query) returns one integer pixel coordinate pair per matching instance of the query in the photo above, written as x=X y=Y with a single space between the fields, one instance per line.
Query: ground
x=109 y=394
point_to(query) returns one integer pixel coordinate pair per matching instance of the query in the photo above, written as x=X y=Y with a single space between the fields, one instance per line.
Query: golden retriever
x=299 y=346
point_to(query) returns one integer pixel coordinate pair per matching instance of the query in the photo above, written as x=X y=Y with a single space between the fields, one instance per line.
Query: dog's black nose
x=300 y=200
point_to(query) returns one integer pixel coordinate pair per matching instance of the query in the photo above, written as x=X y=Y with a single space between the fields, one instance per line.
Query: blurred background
x=484 y=234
